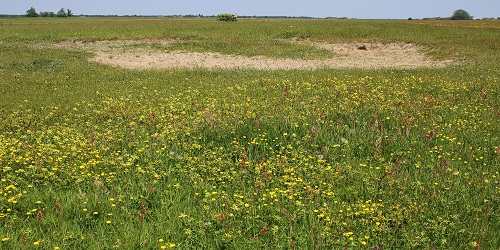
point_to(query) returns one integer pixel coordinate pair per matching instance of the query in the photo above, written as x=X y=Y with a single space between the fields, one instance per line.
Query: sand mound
x=134 y=55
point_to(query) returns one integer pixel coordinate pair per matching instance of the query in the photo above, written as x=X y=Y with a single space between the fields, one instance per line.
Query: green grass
x=105 y=157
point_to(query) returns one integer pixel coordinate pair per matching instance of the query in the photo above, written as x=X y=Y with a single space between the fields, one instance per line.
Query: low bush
x=227 y=17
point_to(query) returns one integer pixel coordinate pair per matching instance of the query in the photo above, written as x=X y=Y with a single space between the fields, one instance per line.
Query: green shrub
x=227 y=17
x=461 y=15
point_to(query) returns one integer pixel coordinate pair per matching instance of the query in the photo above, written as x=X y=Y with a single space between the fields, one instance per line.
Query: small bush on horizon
x=461 y=15
x=227 y=17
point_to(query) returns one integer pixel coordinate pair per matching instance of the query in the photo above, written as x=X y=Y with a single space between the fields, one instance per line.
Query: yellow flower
x=5 y=239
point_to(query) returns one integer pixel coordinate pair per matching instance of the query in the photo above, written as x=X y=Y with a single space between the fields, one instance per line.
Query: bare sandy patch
x=346 y=55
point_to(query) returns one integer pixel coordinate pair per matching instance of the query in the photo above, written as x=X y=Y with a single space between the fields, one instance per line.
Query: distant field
x=107 y=142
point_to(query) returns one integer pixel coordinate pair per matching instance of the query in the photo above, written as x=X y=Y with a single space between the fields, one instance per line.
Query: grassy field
x=100 y=157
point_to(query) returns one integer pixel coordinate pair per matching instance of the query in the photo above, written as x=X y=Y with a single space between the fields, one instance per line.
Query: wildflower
x=5 y=239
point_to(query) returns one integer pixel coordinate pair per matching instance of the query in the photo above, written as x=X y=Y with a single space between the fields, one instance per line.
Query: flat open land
x=161 y=133
x=345 y=55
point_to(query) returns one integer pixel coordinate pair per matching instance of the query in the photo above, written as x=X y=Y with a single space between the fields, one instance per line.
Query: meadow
x=101 y=157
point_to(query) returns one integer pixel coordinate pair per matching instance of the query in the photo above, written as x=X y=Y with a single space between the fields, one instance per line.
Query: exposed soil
x=135 y=54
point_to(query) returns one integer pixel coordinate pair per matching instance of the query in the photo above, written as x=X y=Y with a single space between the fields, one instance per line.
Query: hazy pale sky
x=370 y=9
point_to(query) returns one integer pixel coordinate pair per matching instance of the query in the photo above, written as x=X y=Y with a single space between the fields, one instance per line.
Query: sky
x=361 y=9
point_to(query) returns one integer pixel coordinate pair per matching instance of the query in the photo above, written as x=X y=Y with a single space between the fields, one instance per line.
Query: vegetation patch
x=101 y=157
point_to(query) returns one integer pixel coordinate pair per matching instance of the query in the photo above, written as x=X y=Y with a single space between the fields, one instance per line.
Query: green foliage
x=461 y=15
x=62 y=13
x=227 y=17
x=31 y=12
x=47 y=14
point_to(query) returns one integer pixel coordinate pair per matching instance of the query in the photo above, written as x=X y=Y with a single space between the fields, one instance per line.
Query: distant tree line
x=457 y=15
x=61 y=13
